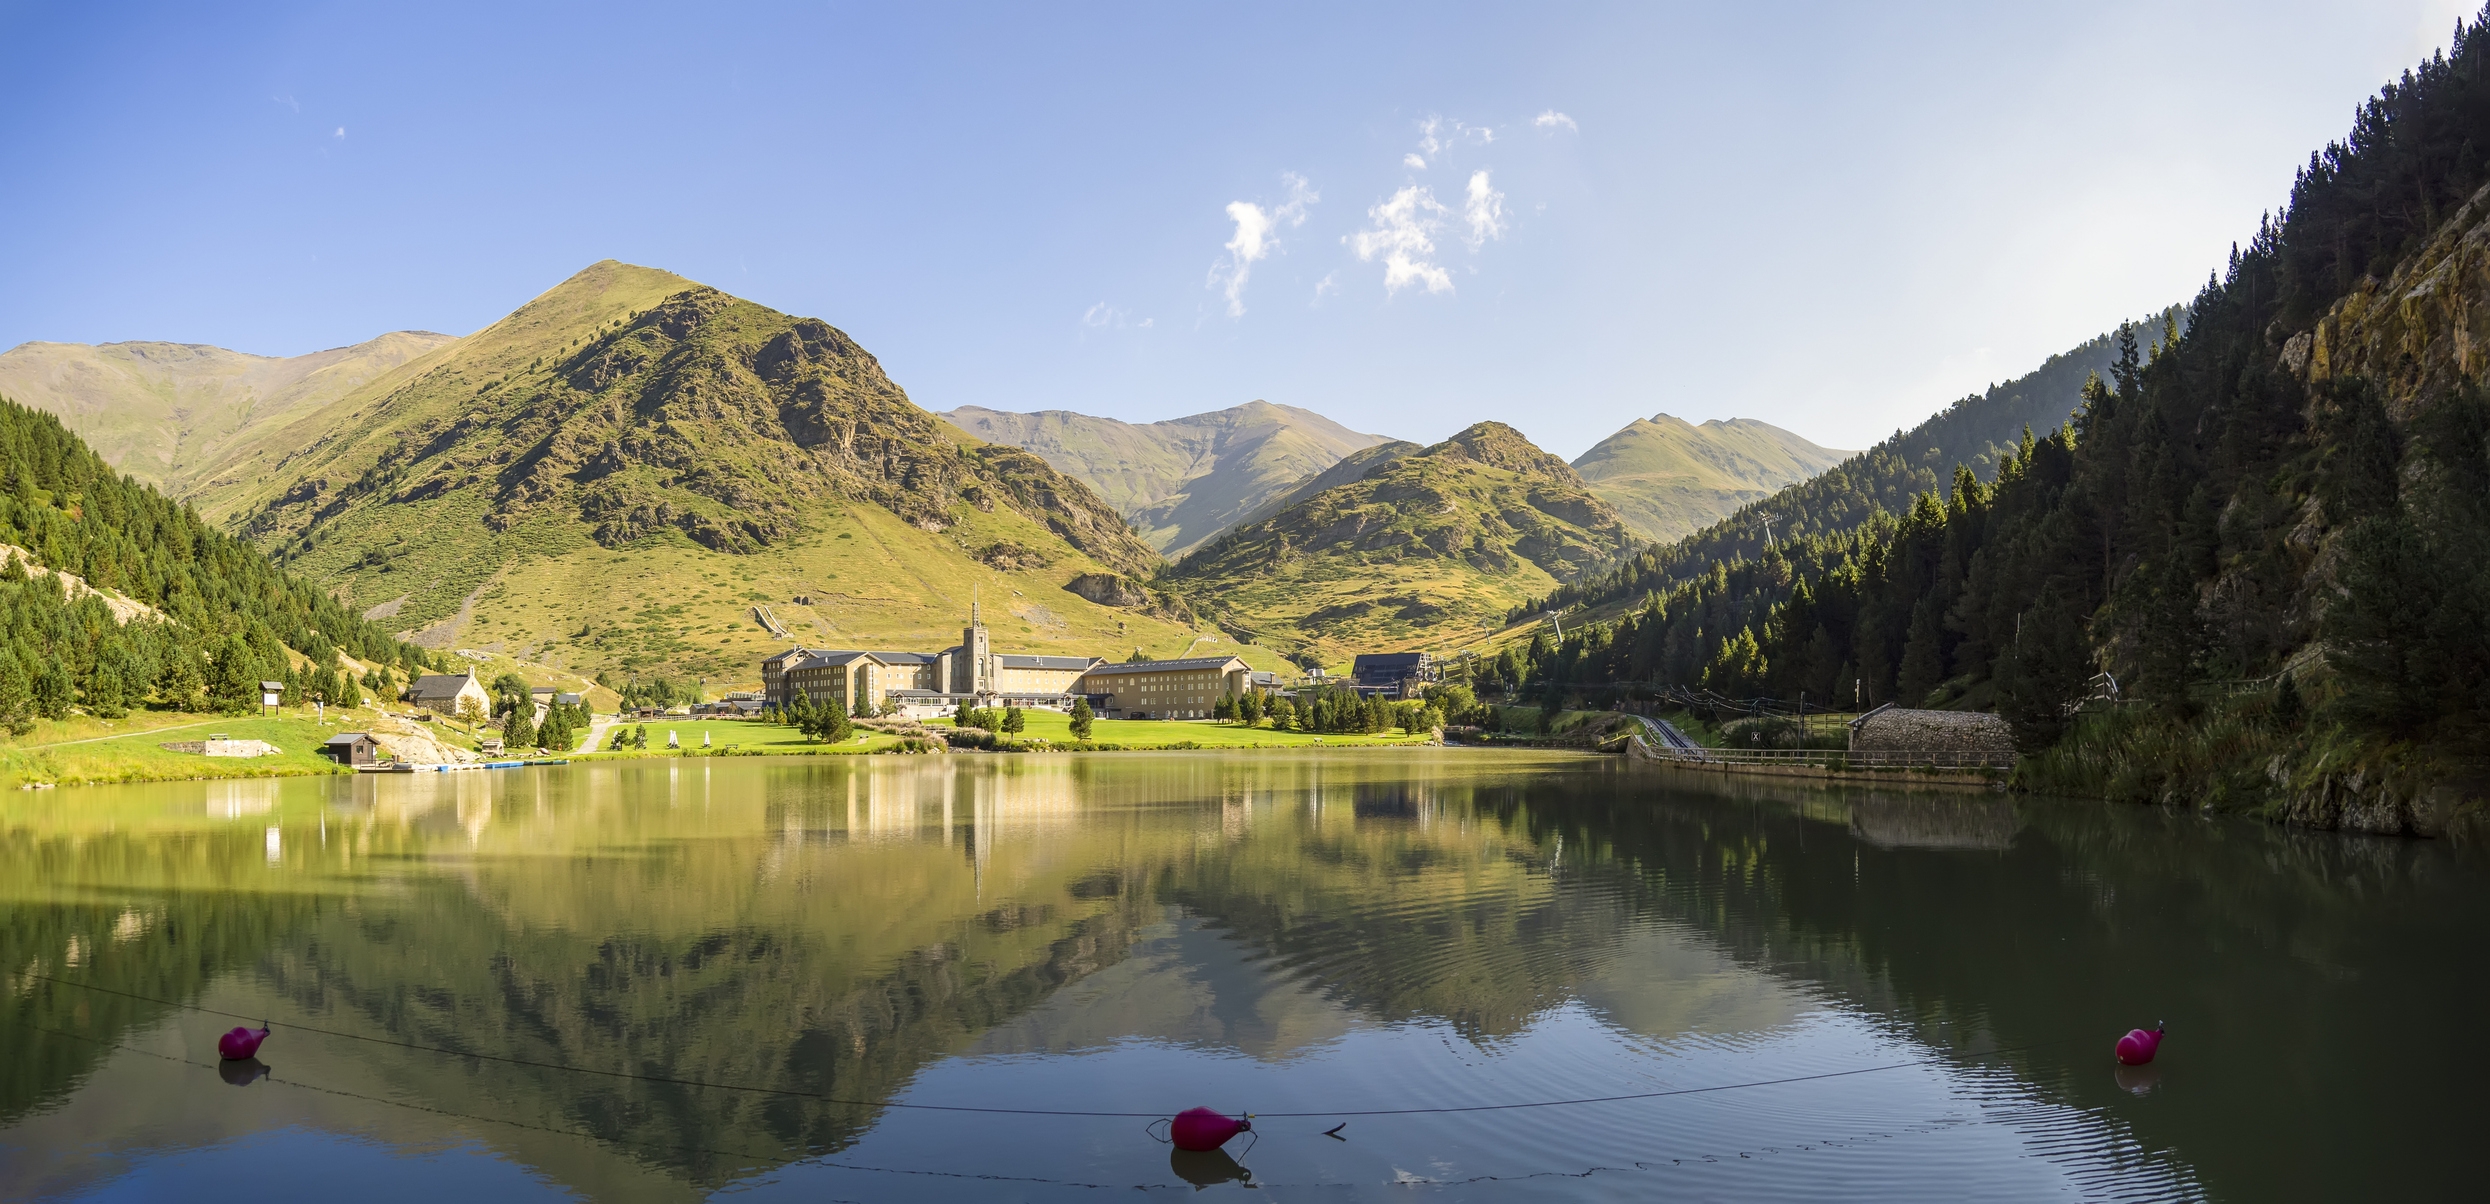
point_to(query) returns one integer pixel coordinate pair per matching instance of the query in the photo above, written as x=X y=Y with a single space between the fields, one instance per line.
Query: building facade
x=1180 y=689
x=442 y=692
x=923 y=683
x=1392 y=674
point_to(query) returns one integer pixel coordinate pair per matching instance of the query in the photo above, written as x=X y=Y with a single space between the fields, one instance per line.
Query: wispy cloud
x=1435 y=134
x=1551 y=120
x=1257 y=236
x=341 y=132
x=1483 y=210
x=1328 y=285
x=1102 y=316
x=1404 y=238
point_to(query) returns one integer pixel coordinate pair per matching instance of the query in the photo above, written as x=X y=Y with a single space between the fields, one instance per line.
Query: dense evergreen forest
x=2214 y=507
x=1976 y=432
x=224 y=615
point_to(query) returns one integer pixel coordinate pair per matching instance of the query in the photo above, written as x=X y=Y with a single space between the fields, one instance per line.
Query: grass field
x=745 y=736
x=133 y=756
x=1055 y=728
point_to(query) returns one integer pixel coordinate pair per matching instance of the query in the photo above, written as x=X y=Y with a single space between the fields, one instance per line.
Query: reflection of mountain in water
x=835 y=928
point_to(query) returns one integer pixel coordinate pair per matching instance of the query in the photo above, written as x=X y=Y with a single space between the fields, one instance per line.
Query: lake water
x=665 y=979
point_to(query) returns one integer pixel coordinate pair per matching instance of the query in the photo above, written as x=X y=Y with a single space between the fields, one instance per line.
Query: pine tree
x=1081 y=718
x=1013 y=721
x=835 y=725
x=518 y=729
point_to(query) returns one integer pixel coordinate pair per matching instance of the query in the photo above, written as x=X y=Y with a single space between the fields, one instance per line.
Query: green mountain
x=1670 y=478
x=1184 y=480
x=616 y=474
x=1420 y=550
x=1820 y=512
x=2272 y=529
x=1351 y=467
x=160 y=411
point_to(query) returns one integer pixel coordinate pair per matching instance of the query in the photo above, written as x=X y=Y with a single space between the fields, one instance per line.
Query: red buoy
x=240 y=1043
x=1200 y=1129
x=2139 y=1045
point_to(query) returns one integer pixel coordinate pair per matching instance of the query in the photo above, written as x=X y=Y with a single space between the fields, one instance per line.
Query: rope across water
x=818 y=1097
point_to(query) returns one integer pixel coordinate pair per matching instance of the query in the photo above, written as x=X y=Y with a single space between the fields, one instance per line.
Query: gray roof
x=906 y=658
x=1199 y=662
x=439 y=685
x=1015 y=661
x=350 y=738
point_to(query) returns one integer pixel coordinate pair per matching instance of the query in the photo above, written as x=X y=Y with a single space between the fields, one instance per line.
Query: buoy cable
x=792 y=1093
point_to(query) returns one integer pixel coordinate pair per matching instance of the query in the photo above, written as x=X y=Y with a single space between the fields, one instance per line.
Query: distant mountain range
x=614 y=474
x=159 y=411
x=1181 y=481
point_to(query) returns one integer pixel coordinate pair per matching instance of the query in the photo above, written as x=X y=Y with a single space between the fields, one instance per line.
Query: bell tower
x=978 y=649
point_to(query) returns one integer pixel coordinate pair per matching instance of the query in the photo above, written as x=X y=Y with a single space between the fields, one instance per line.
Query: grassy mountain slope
x=1419 y=551
x=1184 y=480
x=1352 y=467
x=1670 y=478
x=613 y=475
x=161 y=411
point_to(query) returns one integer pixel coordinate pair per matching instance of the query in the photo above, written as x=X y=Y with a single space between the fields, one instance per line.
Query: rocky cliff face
x=2421 y=331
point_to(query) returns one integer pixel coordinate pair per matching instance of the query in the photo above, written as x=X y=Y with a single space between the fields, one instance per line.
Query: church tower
x=979 y=651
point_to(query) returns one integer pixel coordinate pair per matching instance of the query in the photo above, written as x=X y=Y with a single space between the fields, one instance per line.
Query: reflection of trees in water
x=2262 y=946
x=834 y=929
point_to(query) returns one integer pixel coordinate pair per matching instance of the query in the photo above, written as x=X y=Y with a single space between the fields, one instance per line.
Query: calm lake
x=665 y=979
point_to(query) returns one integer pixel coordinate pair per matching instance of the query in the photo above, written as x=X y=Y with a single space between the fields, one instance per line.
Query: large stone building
x=1185 y=689
x=924 y=683
x=934 y=683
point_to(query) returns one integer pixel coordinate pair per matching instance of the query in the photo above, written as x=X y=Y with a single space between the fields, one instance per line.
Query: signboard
x=268 y=699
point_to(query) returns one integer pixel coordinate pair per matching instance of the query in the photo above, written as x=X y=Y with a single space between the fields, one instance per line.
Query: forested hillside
x=2307 y=467
x=217 y=617
x=1975 y=432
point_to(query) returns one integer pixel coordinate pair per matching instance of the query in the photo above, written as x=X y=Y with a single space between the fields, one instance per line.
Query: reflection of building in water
x=1920 y=822
x=232 y=800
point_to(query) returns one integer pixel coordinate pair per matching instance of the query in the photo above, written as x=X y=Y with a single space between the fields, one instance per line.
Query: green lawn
x=1054 y=727
x=750 y=736
x=135 y=757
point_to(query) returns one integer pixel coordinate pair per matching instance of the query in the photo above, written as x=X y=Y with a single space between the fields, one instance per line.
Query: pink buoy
x=241 y=1043
x=2139 y=1045
x=1200 y=1129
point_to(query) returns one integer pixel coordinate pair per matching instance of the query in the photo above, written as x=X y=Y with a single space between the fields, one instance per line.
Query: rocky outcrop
x=2421 y=331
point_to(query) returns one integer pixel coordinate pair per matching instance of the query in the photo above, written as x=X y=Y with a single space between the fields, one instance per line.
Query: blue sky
x=1409 y=217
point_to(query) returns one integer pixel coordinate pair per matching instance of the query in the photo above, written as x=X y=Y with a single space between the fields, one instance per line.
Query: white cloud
x=1328 y=285
x=1256 y=230
x=1552 y=119
x=1414 y=161
x=1404 y=236
x=1484 y=211
x=1101 y=316
x=1435 y=133
x=341 y=131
